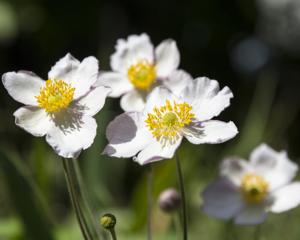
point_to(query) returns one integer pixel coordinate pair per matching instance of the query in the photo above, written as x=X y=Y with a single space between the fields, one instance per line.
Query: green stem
x=182 y=192
x=176 y=219
x=85 y=203
x=257 y=232
x=74 y=201
x=149 y=201
x=75 y=190
x=113 y=234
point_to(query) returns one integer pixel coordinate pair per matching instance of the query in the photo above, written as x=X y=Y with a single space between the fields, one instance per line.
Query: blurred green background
x=251 y=46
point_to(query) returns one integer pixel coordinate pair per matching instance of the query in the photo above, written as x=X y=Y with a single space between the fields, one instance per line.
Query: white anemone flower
x=61 y=108
x=137 y=68
x=156 y=133
x=247 y=190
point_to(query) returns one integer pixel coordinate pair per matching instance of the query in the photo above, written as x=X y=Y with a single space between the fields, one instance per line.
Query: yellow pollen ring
x=165 y=123
x=254 y=188
x=142 y=74
x=55 y=96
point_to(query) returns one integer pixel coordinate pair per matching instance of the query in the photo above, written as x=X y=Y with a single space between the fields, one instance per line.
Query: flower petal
x=33 y=120
x=155 y=152
x=234 y=169
x=118 y=83
x=157 y=98
x=128 y=52
x=23 y=86
x=221 y=199
x=286 y=198
x=126 y=135
x=69 y=138
x=167 y=58
x=177 y=81
x=211 y=132
x=64 y=68
x=133 y=101
x=80 y=75
x=94 y=101
x=274 y=166
x=206 y=98
x=251 y=215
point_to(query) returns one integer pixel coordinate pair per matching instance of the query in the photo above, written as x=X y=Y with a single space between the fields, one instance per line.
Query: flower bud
x=108 y=221
x=169 y=200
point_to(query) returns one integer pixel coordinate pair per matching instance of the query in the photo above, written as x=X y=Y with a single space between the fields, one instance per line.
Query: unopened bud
x=108 y=221
x=169 y=200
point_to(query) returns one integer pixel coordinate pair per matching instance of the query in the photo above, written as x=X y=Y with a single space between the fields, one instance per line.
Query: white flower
x=137 y=68
x=247 y=191
x=155 y=133
x=62 y=108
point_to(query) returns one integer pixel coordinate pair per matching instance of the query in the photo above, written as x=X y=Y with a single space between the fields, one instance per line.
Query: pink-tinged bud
x=169 y=200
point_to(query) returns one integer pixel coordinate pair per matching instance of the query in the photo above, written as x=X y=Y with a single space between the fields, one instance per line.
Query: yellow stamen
x=166 y=122
x=55 y=96
x=254 y=188
x=142 y=74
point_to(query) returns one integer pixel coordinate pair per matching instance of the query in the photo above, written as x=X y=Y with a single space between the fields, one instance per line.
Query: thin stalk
x=74 y=200
x=257 y=232
x=149 y=201
x=113 y=234
x=176 y=222
x=85 y=202
x=183 y=201
x=81 y=208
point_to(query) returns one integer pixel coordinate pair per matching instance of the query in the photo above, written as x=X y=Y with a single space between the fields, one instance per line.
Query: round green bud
x=108 y=221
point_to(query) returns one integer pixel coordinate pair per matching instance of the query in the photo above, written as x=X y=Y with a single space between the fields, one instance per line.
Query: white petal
x=33 y=120
x=286 y=198
x=72 y=135
x=23 y=86
x=274 y=166
x=158 y=98
x=251 y=215
x=206 y=98
x=64 y=68
x=177 y=81
x=133 y=101
x=221 y=199
x=80 y=75
x=126 y=135
x=211 y=132
x=118 y=83
x=234 y=169
x=167 y=58
x=128 y=52
x=156 y=152
x=94 y=101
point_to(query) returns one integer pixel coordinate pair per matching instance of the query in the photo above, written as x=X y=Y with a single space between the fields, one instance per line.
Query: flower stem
x=85 y=203
x=182 y=192
x=257 y=232
x=149 y=201
x=113 y=234
x=176 y=219
x=74 y=188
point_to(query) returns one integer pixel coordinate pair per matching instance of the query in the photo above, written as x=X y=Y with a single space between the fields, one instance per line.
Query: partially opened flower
x=248 y=190
x=156 y=133
x=137 y=68
x=62 y=108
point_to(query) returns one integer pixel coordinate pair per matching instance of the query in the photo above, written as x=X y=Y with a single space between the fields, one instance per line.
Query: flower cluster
x=162 y=105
